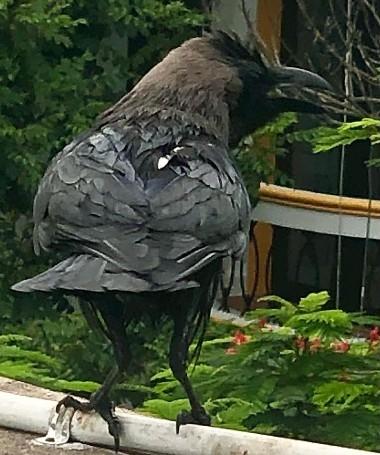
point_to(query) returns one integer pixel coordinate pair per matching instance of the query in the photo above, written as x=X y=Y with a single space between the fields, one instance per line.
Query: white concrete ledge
x=156 y=436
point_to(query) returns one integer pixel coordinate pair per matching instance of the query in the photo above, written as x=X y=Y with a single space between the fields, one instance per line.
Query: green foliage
x=302 y=375
x=297 y=373
x=337 y=397
x=324 y=139
x=166 y=409
x=18 y=361
x=61 y=63
x=57 y=74
x=49 y=358
x=256 y=154
x=347 y=133
x=82 y=365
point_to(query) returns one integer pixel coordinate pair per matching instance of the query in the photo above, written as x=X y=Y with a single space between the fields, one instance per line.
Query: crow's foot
x=104 y=408
x=195 y=416
x=70 y=402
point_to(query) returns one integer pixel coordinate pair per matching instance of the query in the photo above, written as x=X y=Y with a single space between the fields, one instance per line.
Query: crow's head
x=217 y=80
x=257 y=101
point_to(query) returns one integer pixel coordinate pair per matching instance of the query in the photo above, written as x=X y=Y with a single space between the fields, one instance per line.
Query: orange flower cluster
x=303 y=343
x=340 y=346
x=238 y=339
x=313 y=344
x=374 y=335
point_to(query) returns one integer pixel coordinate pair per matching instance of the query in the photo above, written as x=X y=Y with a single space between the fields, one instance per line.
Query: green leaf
x=286 y=310
x=325 y=139
x=164 y=374
x=13 y=338
x=364 y=319
x=239 y=411
x=327 y=324
x=165 y=409
x=338 y=397
x=314 y=301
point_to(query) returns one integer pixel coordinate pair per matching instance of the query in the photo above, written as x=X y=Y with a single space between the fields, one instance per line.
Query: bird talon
x=105 y=408
x=107 y=411
x=114 y=429
x=70 y=402
x=196 y=417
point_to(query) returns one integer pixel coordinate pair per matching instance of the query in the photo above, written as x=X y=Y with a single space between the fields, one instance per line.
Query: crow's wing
x=137 y=215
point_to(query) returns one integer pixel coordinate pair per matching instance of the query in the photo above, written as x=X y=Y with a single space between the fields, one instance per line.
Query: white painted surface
x=156 y=436
x=25 y=413
x=316 y=221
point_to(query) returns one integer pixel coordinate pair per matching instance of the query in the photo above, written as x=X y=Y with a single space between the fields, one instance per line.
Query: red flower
x=315 y=344
x=300 y=343
x=374 y=334
x=340 y=346
x=262 y=322
x=231 y=351
x=239 y=338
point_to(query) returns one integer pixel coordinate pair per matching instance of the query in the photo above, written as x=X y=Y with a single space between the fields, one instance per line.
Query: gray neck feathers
x=192 y=81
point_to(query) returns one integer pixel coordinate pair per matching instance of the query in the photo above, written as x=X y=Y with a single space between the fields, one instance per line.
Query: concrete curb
x=156 y=436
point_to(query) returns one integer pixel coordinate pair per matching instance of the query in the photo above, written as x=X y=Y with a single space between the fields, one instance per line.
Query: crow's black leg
x=114 y=324
x=178 y=356
x=96 y=398
x=100 y=403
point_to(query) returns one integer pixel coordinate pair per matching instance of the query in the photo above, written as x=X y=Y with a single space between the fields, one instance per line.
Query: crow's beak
x=300 y=77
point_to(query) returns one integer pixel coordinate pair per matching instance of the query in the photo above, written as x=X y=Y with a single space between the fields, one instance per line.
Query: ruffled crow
x=143 y=207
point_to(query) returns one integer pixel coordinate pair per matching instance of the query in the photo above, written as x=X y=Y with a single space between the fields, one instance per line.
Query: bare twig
x=361 y=33
x=337 y=36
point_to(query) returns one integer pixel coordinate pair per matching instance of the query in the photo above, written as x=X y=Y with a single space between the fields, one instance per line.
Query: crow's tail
x=210 y=282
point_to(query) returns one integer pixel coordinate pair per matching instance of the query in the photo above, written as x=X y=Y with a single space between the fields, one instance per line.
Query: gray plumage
x=130 y=226
x=149 y=201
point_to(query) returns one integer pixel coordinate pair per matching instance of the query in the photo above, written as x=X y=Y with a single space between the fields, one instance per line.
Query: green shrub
x=61 y=63
x=62 y=353
x=296 y=371
x=327 y=138
x=257 y=153
x=18 y=361
x=49 y=358
x=304 y=375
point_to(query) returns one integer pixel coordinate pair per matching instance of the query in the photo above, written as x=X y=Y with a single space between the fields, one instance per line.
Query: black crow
x=145 y=205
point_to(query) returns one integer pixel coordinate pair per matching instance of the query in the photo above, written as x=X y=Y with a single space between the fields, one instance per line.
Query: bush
x=326 y=138
x=49 y=358
x=304 y=375
x=61 y=63
x=257 y=153
x=19 y=362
